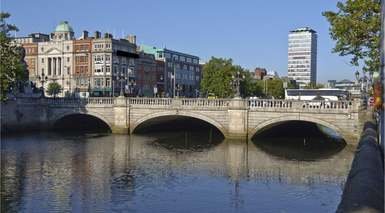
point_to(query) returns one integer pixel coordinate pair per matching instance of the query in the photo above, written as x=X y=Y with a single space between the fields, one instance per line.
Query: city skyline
x=203 y=29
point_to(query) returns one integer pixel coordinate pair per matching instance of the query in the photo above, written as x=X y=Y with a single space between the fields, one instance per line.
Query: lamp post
x=178 y=89
x=237 y=78
x=121 y=79
x=362 y=81
x=132 y=86
x=173 y=77
x=42 y=78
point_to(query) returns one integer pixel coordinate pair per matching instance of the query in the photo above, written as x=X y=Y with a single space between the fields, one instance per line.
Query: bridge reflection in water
x=92 y=173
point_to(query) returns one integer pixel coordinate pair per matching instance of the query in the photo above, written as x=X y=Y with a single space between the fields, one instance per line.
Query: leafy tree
x=12 y=68
x=356 y=28
x=217 y=76
x=250 y=87
x=53 y=89
x=275 y=88
x=314 y=86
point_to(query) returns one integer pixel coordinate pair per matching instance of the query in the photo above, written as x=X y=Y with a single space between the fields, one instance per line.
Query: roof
x=303 y=29
x=63 y=26
x=316 y=92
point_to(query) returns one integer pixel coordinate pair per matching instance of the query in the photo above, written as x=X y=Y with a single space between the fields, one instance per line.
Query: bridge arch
x=89 y=113
x=269 y=123
x=198 y=116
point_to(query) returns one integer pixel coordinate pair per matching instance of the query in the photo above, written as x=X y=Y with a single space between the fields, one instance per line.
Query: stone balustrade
x=301 y=105
x=251 y=104
x=203 y=103
x=150 y=101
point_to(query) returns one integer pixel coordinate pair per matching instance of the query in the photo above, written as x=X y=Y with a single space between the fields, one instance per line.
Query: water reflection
x=173 y=172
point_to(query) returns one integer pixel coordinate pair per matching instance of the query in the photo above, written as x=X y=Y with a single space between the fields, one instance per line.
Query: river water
x=169 y=172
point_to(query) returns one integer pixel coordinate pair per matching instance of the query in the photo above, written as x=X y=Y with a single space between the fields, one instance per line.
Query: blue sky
x=251 y=32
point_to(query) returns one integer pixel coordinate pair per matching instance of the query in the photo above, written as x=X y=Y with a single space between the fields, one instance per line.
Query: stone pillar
x=237 y=114
x=54 y=66
x=121 y=116
x=59 y=66
x=49 y=66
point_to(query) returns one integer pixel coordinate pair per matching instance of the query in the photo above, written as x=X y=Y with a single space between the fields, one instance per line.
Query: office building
x=302 y=56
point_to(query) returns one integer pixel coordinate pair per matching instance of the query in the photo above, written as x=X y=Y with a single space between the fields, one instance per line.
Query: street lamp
x=173 y=77
x=237 y=78
x=178 y=89
x=363 y=82
x=42 y=78
x=122 y=79
x=132 y=86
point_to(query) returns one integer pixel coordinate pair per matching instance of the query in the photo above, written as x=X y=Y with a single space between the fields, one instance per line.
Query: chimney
x=132 y=39
x=107 y=35
x=97 y=34
x=85 y=34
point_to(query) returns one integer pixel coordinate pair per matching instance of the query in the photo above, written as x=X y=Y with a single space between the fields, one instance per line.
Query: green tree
x=356 y=28
x=53 y=89
x=12 y=68
x=314 y=86
x=217 y=76
x=275 y=88
x=250 y=87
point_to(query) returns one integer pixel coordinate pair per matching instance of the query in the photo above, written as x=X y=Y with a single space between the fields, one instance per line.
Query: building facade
x=146 y=76
x=259 y=73
x=83 y=65
x=97 y=66
x=29 y=43
x=182 y=72
x=302 y=56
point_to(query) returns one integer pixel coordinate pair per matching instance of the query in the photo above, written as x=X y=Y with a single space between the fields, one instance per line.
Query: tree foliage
x=217 y=76
x=54 y=89
x=275 y=88
x=250 y=87
x=12 y=68
x=314 y=86
x=356 y=28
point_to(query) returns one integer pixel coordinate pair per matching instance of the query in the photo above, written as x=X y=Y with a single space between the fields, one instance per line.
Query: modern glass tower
x=302 y=56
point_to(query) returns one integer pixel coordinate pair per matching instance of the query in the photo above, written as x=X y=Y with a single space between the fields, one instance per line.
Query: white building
x=55 y=57
x=302 y=56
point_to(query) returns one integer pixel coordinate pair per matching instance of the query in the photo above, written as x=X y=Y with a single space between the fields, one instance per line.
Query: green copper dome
x=63 y=27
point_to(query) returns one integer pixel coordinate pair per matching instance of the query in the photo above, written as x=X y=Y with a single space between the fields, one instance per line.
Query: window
x=98 y=82
x=108 y=82
x=98 y=70
x=182 y=58
x=108 y=69
x=108 y=58
x=42 y=60
x=185 y=67
x=42 y=49
x=188 y=60
x=68 y=47
x=68 y=59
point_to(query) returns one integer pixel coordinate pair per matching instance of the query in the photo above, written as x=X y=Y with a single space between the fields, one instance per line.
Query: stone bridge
x=235 y=118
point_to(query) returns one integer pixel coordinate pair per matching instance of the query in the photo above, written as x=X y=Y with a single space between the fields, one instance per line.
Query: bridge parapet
x=302 y=106
x=80 y=101
x=202 y=103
